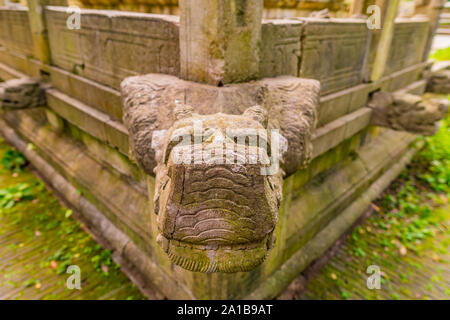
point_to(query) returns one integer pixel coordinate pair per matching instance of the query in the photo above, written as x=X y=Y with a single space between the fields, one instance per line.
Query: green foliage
x=30 y=282
x=11 y=195
x=416 y=196
x=345 y=295
x=26 y=203
x=13 y=160
x=410 y=217
x=441 y=54
x=436 y=159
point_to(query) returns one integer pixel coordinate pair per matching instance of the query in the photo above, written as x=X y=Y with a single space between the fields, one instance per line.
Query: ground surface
x=39 y=240
x=407 y=237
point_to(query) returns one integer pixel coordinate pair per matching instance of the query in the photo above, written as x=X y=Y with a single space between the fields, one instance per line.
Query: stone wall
x=92 y=145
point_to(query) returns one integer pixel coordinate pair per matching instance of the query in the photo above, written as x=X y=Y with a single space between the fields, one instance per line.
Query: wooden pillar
x=220 y=40
x=384 y=44
x=36 y=14
x=432 y=10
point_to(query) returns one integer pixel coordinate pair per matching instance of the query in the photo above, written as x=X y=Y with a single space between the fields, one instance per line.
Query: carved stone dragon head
x=219 y=155
x=22 y=93
x=407 y=112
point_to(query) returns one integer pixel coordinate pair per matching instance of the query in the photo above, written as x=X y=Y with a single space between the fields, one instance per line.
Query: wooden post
x=384 y=44
x=432 y=10
x=36 y=14
x=220 y=40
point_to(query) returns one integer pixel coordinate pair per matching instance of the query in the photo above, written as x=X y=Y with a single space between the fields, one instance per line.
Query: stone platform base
x=337 y=196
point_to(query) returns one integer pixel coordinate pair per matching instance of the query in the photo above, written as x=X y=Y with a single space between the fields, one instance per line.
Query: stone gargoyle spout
x=22 y=93
x=407 y=112
x=219 y=155
x=438 y=81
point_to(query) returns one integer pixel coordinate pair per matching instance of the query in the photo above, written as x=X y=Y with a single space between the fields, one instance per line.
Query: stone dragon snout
x=407 y=112
x=213 y=195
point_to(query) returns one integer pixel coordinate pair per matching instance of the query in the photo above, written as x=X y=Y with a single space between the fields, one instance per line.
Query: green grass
x=441 y=54
x=417 y=202
x=406 y=236
x=413 y=212
x=26 y=204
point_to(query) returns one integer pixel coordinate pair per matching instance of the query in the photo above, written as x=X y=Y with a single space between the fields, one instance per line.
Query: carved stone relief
x=408 y=44
x=407 y=112
x=21 y=93
x=438 y=81
x=15 y=30
x=111 y=46
x=219 y=155
x=343 y=43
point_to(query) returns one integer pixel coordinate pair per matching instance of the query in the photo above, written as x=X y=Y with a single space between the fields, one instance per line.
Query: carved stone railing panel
x=299 y=4
x=15 y=31
x=334 y=52
x=112 y=45
x=280 y=49
x=408 y=44
x=97 y=50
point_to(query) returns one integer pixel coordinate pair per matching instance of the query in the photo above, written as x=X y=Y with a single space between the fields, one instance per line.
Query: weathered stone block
x=96 y=123
x=112 y=45
x=15 y=31
x=330 y=135
x=408 y=44
x=26 y=64
x=55 y=121
x=220 y=40
x=407 y=112
x=333 y=106
x=7 y=73
x=340 y=103
x=334 y=52
x=356 y=121
x=280 y=48
x=94 y=94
